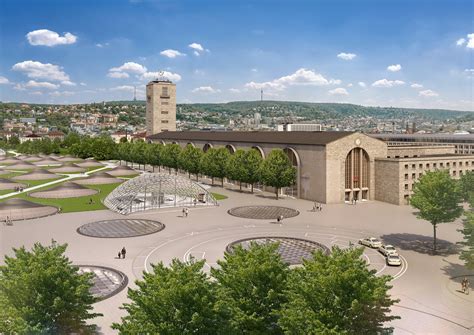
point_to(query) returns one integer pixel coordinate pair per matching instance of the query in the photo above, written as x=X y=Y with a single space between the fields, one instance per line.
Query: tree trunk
x=169 y=170
x=276 y=192
x=251 y=188
x=212 y=181
x=240 y=184
x=189 y=175
x=153 y=168
x=222 y=182
x=434 y=239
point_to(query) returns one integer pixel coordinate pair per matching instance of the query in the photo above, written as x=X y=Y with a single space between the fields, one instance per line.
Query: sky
x=412 y=53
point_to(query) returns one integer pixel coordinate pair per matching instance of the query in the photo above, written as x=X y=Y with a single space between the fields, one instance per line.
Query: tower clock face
x=357 y=142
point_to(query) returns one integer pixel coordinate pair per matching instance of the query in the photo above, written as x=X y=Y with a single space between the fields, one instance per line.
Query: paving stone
x=107 y=281
x=263 y=212
x=120 y=228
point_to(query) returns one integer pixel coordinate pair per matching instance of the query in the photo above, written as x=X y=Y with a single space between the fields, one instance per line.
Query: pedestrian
x=280 y=219
x=186 y=211
x=355 y=201
x=194 y=202
x=123 y=252
x=320 y=207
x=119 y=255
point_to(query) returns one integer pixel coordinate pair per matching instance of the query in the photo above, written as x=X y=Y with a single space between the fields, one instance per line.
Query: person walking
x=123 y=252
x=119 y=254
x=186 y=211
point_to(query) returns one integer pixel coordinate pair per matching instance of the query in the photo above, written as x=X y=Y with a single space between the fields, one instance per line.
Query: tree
x=437 y=197
x=170 y=156
x=153 y=154
x=172 y=300
x=42 y=292
x=213 y=163
x=190 y=160
x=251 y=286
x=276 y=171
x=236 y=168
x=467 y=254
x=467 y=186
x=103 y=147
x=336 y=294
x=253 y=162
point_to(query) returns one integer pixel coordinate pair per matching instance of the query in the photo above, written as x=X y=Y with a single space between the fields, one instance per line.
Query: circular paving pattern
x=292 y=250
x=263 y=212
x=107 y=281
x=120 y=228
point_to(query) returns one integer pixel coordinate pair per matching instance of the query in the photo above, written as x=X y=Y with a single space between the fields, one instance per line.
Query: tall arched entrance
x=357 y=175
x=206 y=147
x=259 y=185
x=295 y=161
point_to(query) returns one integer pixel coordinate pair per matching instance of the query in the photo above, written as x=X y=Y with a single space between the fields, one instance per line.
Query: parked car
x=370 y=242
x=394 y=260
x=388 y=249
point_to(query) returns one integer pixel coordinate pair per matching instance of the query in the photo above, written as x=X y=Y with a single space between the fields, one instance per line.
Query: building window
x=441 y=165
x=413 y=176
x=460 y=163
x=406 y=166
x=164 y=112
x=406 y=187
x=434 y=165
x=420 y=166
x=454 y=164
x=165 y=103
x=454 y=173
x=447 y=164
x=406 y=176
x=413 y=166
x=164 y=121
x=148 y=98
x=428 y=166
x=164 y=91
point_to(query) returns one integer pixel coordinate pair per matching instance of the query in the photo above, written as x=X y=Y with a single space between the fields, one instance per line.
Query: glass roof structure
x=157 y=190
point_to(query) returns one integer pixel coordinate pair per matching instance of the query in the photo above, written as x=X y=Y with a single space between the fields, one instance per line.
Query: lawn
x=2 y=192
x=80 y=204
x=10 y=174
x=32 y=183
x=130 y=176
x=219 y=196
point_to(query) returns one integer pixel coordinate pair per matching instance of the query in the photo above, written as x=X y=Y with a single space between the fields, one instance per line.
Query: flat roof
x=280 y=137
x=435 y=136
x=424 y=157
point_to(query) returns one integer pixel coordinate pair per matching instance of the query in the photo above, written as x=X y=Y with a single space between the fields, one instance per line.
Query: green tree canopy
x=467 y=254
x=172 y=300
x=190 y=160
x=236 y=168
x=438 y=198
x=213 y=163
x=153 y=154
x=276 y=171
x=253 y=163
x=41 y=292
x=251 y=286
x=170 y=156
x=467 y=186
x=336 y=294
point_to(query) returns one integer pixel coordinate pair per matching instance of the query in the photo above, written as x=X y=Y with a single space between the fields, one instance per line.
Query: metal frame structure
x=157 y=190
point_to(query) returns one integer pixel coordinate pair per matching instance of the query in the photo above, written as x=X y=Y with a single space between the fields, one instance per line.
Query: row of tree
x=241 y=166
x=252 y=291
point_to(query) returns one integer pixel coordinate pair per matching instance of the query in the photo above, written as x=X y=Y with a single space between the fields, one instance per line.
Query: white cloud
x=349 y=85
x=196 y=53
x=300 y=77
x=394 y=67
x=387 y=83
x=4 y=80
x=68 y=83
x=205 y=89
x=346 y=56
x=101 y=45
x=362 y=84
x=254 y=70
x=19 y=87
x=118 y=75
x=49 y=38
x=36 y=93
x=41 y=84
x=168 y=75
x=38 y=70
x=126 y=88
x=415 y=85
x=83 y=84
x=338 y=91
x=130 y=67
x=428 y=93
x=196 y=46
x=170 y=53
x=470 y=42
x=63 y=93
x=234 y=90
x=460 y=41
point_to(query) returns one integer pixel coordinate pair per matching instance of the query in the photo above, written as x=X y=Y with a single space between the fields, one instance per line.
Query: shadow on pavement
x=420 y=243
x=457 y=272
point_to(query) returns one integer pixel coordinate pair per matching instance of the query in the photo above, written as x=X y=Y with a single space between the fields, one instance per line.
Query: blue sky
x=388 y=53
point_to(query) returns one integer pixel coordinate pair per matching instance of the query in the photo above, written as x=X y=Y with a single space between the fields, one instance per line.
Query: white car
x=394 y=260
x=388 y=249
x=370 y=242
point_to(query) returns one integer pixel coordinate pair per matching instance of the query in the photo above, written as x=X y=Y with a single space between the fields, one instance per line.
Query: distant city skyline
x=396 y=53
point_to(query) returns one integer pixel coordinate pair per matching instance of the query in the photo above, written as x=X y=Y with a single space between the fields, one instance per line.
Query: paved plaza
x=427 y=286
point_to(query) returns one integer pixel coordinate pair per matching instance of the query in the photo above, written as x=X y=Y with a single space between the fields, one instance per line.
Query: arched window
x=260 y=150
x=206 y=147
x=230 y=148
x=294 y=159
x=357 y=175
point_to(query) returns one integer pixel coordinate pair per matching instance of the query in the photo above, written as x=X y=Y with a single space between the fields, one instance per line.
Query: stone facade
x=404 y=151
x=160 y=107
